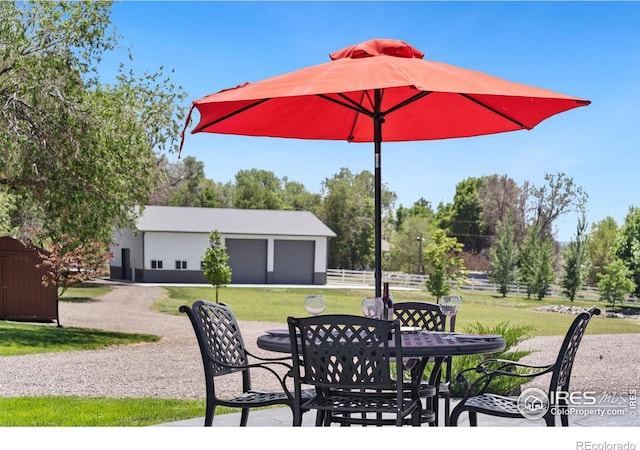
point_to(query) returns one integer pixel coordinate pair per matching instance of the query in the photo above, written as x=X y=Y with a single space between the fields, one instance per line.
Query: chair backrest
x=424 y=315
x=564 y=363
x=345 y=352
x=218 y=336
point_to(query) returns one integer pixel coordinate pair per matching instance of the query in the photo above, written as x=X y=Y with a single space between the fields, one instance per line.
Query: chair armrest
x=259 y=365
x=492 y=368
x=506 y=367
x=267 y=359
x=267 y=365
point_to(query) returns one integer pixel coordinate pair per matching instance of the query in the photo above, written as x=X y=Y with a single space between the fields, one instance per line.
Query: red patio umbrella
x=379 y=90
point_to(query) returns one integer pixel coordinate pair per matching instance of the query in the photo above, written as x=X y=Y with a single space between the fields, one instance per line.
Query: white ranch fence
x=475 y=282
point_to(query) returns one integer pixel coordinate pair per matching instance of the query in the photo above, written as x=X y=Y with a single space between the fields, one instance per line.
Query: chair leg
x=244 y=416
x=562 y=408
x=209 y=413
x=434 y=403
x=320 y=418
x=453 y=417
x=416 y=416
x=473 y=419
x=447 y=410
x=430 y=405
x=550 y=420
x=297 y=415
x=564 y=420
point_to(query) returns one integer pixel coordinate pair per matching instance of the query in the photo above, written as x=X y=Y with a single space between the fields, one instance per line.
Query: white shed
x=264 y=246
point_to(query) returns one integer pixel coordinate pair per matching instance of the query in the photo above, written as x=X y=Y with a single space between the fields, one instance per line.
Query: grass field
x=276 y=304
x=56 y=411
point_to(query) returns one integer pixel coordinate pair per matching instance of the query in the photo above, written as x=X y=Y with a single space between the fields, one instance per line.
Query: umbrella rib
x=347 y=104
x=404 y=103
x=355 y=119
x=495 y=111
x=223 y=118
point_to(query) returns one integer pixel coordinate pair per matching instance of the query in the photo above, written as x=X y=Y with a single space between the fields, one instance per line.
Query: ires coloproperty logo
x=533 y=403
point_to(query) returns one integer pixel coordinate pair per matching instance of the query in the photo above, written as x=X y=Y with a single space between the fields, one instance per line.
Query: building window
x=156 y=264
x=181 y=265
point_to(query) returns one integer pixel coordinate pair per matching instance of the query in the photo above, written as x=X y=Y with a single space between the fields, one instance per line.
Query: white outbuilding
x=264 y=246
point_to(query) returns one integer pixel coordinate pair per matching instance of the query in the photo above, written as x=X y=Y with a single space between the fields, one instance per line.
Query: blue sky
x=589 y=50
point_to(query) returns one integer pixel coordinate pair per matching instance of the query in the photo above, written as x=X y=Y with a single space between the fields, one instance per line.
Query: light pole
x=420 y=239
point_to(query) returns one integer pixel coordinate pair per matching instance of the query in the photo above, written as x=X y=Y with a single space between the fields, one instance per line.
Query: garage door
x=248 y=260
x=293 y=262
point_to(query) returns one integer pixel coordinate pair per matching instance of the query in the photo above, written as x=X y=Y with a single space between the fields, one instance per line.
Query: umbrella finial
x=378 y=47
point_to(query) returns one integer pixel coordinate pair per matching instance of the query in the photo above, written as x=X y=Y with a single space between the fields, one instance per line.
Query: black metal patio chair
x=429 y=317
x=224 y=353
x=348 y=359
x=479 y=399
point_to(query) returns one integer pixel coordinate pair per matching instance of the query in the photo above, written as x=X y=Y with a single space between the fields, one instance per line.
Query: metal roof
x=231 y=221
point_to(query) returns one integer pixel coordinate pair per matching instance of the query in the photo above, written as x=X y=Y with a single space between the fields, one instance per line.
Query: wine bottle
x=387 y=300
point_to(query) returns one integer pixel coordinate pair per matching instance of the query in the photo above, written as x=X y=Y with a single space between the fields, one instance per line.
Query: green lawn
x=21 y=338
x=275 y=304
x=101 y=412
x=85 y=293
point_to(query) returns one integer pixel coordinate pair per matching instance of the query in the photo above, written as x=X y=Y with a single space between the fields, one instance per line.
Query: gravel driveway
x=172 y=368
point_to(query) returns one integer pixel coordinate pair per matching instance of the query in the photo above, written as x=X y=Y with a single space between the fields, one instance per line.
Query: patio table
x=423 y=345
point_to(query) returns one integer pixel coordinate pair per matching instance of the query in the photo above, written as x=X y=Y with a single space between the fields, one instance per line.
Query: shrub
x=501 y=385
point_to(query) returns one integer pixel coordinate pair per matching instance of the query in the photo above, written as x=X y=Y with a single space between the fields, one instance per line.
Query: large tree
x=420 y=208
x=173 y=174
x=627 y=245
x=348 y=209
x=463 y=220
x=190 y=186
x=615 y=282
x=559 y=196
x=600 y=247
x=410 y=228
x=408 y=242
x=258 y=189
x=8 y=208
x=70 y=142
x=503 y=200
x=297 y=198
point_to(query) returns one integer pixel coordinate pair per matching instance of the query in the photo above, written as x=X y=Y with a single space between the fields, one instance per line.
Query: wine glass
x=450 y=305
x=372 y=307
x=315 y=304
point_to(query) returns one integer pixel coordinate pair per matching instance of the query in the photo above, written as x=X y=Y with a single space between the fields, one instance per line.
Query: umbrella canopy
x=379 y=90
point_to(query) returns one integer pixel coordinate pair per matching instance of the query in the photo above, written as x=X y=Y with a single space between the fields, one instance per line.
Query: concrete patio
x=625 y=416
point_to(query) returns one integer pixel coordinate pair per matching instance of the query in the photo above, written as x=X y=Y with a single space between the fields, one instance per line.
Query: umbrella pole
x=378 y=119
